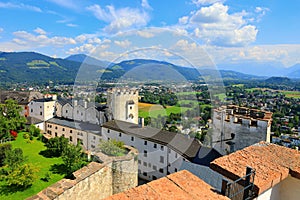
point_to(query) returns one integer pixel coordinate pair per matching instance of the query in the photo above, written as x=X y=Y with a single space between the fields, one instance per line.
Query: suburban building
x=235 y=128
x=22 y=98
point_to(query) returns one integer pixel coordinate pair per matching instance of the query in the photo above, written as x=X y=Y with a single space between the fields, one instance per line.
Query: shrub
x=26 y=135
x=112 y=147
x=3 y=149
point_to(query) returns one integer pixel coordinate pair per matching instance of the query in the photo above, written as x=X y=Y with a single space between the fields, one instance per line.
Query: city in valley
x=131 y=100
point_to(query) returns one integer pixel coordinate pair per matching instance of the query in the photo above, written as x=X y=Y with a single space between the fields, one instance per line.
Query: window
x=40 y=106
x=108 y=139
x=63 y=129
x=155 y=146
x=63 y=135
x=176 y=155
x=55 y=127
x=66 y=111
x=94 y=137
x=132 y=138
x=154 y=177
x=161 y=159
x=139 y=161
x=55 y=134
x=145 y=142
x=71 y=139
x=120 y=134
x=149 y=165
x=70 y=131
x=79 y=141
x=162 y=147
x=41 y=113
x=145 y=153
x=108 y=131
x=154 y=167
x=145 y=174
x=145 y=164
x=130 y=107
x=169 y=150
x=139 y=171
x=176 y=170
x=93 y=146
x=31 y=110
x=161 y=170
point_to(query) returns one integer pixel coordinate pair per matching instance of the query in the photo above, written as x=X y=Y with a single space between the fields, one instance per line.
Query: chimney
x=75 y=103
x=141 y=122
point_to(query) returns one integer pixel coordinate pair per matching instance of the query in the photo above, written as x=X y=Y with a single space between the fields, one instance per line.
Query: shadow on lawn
x=7 y=190
x=60 y=169
x=46 y=154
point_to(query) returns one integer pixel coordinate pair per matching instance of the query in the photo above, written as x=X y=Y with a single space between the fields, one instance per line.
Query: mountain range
x=34 y=67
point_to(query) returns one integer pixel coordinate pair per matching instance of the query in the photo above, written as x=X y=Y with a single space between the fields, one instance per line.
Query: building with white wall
x=277 y=170
x=123 y=104
x=42 y=109
x=235 y=128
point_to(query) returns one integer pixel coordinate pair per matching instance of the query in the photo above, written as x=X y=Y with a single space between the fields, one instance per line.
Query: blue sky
x=229 y=31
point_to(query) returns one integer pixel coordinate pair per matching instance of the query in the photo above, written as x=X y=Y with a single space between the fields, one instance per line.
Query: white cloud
x=123 y=44
x=72 y=25
x=85 y=48
x=40 y=31
x=28 y=39
x=214 y=25
x=146 y=5
x=206 y=2
x=1 y=30
x=261 y=11
x=66 y=3
x=145 y=34
x=20 y=6
x=120 y=19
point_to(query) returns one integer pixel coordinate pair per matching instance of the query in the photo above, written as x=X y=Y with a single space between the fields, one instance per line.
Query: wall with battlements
x=123 y=104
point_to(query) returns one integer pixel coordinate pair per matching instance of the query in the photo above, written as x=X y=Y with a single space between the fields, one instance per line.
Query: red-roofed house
x=277 y=169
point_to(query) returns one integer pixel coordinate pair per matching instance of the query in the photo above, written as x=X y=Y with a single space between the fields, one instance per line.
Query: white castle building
x=160 y=152
x=235 y=128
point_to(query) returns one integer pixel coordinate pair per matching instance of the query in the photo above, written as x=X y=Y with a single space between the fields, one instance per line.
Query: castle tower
x=123 y=104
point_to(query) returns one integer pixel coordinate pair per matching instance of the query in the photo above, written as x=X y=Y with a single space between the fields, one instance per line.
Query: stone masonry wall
x=96 y=180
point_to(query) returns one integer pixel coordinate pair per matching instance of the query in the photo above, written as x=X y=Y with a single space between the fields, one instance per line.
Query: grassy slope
x=31 y=150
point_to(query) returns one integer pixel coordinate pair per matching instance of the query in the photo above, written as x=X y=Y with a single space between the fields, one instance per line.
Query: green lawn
x=32 y=150
x=162 y=112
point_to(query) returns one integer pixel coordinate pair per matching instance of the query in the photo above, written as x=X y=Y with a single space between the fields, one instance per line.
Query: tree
x=15 y=172
x=55 y=146
x=10 y=118
x=22 y=176
x=34 y=131
x=3 y=149
x=72 y=158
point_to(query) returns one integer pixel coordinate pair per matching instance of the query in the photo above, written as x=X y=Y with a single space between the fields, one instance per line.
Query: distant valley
x=33 y=67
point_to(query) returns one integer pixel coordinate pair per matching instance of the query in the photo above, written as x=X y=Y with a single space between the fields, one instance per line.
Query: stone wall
x=96 y=180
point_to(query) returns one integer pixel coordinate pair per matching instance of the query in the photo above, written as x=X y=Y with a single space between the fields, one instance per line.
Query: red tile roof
x=181 y=185
x=272 y=163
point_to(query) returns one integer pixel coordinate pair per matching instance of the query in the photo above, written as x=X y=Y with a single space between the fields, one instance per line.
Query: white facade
x=42 y=109
x=89 y=140
x=154 y=160
x=246 y=130
x=123 y=104
x=289 y=188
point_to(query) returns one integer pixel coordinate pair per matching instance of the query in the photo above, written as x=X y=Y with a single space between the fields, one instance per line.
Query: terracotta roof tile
x=181 y=185
x=272 y=163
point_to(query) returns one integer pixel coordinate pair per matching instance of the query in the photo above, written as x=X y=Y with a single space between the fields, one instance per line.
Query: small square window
x=145 y=142
x=176 y=155
x=145 y=153
x=145 y=174
x=70 y=131
x=71 y=139
x=120 y=134
x=155 y=146
x=162 y=147
x=161 y=159
x=176 y=170
x=145 y=164
x=154 y=167
x=132 y=138
x=108 y=131
x=139 y=161
x=161 y=170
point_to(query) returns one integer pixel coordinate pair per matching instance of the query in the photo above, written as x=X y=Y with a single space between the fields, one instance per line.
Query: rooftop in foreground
x=182 y=185
x=273 y=163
